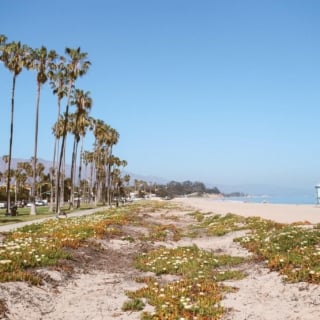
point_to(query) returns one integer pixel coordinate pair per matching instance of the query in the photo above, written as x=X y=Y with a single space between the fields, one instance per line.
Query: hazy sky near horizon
x=224 y=92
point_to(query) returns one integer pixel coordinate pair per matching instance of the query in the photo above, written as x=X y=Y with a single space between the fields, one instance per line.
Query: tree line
x=173 y=189
x=61 y=72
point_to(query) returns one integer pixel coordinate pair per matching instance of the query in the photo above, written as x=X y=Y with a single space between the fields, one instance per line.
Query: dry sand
x=97 y=290
x=263 y=295
x=284 y=213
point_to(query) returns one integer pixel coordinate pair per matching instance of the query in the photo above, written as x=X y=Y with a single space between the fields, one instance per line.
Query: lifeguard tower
x=318 y=193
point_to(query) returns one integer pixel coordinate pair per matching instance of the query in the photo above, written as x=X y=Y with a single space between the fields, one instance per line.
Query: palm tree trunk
x=58 y=193
x=72 y=173
x=79 y=175
x=91 y=182
x=63 y=176
x=109 y=177
x=54 y=173
x=33 y=210
x=10 y=147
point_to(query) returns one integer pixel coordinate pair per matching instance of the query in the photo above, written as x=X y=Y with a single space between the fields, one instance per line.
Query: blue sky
x=224 y=92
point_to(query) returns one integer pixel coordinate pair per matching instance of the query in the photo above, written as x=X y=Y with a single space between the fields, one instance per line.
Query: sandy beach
x=96 y=290
x=284 y=213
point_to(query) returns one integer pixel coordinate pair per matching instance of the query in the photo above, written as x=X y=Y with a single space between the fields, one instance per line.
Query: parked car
x=3 y=205
x=37 y=203
x=40 y=203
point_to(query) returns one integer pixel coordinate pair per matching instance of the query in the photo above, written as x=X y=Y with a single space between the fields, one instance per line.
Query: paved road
x=13 y=226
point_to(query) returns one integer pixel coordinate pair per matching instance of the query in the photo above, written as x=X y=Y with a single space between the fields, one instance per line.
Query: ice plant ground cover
x=44 y=244
x=291 y=249
x=184 y=282
x=197 y=294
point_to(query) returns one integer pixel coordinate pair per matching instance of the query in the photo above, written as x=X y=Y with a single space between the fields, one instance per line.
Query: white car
x=37 y=203
x=3 y=205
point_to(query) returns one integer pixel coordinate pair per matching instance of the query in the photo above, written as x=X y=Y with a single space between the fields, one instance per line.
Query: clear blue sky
x=224 y=92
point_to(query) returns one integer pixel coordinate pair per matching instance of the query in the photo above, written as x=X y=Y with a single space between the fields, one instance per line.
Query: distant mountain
x=47 y=164
x=148 y=179
x=251 y=189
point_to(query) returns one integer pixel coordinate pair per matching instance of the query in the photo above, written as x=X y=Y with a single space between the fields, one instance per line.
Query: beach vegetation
x=184 y=261
x=162 y=232
x=186 y=281
x=289 y=249
x=217 y=224
x=198 y=215
x=198 y=291
x=134 y=304
x=293 y=250
x=44 y=244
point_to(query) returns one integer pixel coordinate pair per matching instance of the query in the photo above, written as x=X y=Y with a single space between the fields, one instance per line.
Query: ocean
x=278 y=199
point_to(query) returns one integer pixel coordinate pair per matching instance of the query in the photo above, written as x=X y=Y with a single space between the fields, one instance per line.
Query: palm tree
x=115 y=173
x=102 y=134
x=40 y=61
x=77 y=67
x=88 y=157
x=58 y=82
x=39 y=173
x=3 y=40
x=58 y=131
x=20 y=179
x=14 y=58
x=81 y=122
x=113 y=140
x=105 y=138
x=126 y=179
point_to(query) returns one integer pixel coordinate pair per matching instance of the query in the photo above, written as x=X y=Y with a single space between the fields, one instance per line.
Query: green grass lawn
x=42 y=212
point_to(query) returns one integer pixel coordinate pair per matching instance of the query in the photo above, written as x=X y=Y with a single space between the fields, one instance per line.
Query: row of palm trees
x=22 y=175
x=62 y=72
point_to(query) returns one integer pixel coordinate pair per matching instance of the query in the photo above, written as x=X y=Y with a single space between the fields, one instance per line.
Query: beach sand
x=284 y=213
x=96 y=291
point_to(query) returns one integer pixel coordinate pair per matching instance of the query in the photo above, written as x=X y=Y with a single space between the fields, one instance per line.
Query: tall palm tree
x=58 y=131
x=126 y=179
x=105 y=138
x=101 y=133
x=58 y=82
x=20 y=179
x=39 y=173
x=88 y=157
x=89 y=123
x=81 y=122
x=14 y=58
x=77 y=67
x=113 y=139
x=115 y=173
x=40 y=61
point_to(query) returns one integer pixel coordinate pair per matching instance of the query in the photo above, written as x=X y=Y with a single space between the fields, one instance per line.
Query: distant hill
x=252 y=189
x=48 y=164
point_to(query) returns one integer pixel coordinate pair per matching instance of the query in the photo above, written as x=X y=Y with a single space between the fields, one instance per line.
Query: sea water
x=277 y=199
